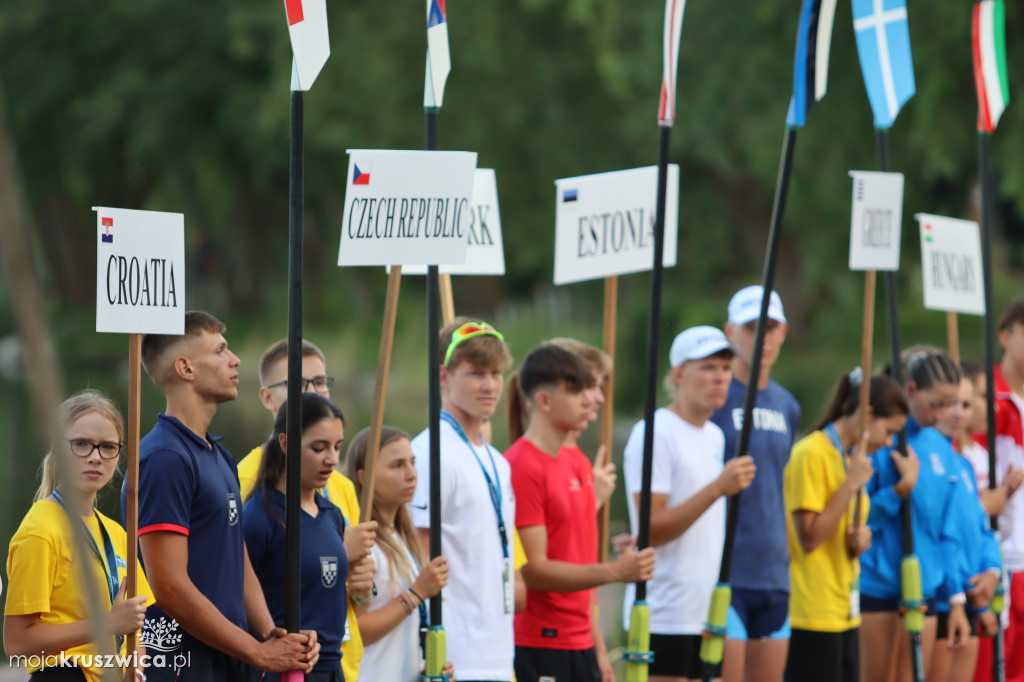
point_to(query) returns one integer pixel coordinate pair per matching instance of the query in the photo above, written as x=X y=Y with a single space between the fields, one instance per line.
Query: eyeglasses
x=84 y=448
x=468 y=331
x=320 y=384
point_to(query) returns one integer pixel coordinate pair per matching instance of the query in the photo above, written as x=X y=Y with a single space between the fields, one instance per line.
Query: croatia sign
x=951 y=264
x=140 y=271
x=604 y=223
x=407 y=207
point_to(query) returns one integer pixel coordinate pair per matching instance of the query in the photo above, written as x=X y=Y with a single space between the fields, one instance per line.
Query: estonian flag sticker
x=569 y=195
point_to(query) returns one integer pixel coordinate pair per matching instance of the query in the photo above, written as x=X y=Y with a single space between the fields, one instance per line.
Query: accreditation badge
x=508 y=586
x=855 y=599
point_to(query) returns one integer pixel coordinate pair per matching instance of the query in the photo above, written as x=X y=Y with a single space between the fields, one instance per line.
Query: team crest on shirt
x=574 y=484
x=937 y=464
x=328 y=571
x=232 y=509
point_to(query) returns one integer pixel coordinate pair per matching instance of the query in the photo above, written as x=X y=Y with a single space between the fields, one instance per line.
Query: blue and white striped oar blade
x=670 y=60
x=439 y=62
x=883 y=44
x=311 y=45
x=810 y=68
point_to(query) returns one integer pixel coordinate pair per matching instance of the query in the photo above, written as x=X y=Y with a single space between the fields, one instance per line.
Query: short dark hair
x=279 y=351
x=156 y=347
x=1012 y=314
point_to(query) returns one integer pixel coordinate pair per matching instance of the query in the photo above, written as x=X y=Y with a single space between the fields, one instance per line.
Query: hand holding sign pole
x=874 y=245
x=810 y=82
x=438 y=67
x=140 y=289
x=883 y=47
x=307 y=29
x=993 y=89
x=638 y=656
x=389 y=198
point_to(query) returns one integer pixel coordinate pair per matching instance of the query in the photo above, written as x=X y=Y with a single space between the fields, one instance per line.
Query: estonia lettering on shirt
x=764 y=420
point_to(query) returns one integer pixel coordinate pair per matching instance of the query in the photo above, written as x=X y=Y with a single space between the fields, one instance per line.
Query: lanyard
x=110 y=567
x=493 y=486
x=833 y=435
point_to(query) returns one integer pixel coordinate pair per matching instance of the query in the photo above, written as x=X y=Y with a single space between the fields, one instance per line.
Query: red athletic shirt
x=557 y=493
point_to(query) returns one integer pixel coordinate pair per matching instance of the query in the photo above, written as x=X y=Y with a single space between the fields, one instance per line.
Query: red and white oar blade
x=311 y=46
x=439 y=61
x=673 y=28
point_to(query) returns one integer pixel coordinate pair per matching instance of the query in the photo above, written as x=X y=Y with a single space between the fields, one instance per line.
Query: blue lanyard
x=833 y=435
x=493 y=486
x=110 y=567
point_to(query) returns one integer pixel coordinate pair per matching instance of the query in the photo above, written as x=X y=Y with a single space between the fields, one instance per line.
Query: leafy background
x=184 y=107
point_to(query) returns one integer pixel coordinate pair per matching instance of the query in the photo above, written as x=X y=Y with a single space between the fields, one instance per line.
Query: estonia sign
x=951 y=264
x=875 y=220
x=407 y=207
x=485 y=254
x=604 y=223
x=140 y=271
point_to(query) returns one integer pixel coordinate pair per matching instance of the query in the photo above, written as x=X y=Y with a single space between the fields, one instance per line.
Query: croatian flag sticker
x=106 y=237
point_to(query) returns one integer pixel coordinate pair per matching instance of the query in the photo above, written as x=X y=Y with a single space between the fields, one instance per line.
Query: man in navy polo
x=210 y=620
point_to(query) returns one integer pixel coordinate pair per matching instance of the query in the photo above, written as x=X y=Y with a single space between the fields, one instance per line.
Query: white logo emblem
x=937 y=464
x=232 y=510
x=161 y=635
x=328 y=570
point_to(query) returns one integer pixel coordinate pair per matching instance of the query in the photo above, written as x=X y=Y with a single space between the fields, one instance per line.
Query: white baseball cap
x=697 y=343
x=745 y=305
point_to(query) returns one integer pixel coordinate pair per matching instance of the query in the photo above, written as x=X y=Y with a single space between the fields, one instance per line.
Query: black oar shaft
x=653 y=336
x=892 y=308
x=434 y=390
x=987 y=201
x=293 y=567
x=768 y=282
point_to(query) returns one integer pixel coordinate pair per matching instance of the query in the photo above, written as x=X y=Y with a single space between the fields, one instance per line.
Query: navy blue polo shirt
x=189 y=485
x=324 y=567
x=761 y=527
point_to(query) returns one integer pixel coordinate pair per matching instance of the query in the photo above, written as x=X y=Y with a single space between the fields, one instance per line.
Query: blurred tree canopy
x=182 y=106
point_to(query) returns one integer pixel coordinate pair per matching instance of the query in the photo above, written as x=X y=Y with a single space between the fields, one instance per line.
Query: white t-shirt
x=977 y=455
x=686 y=459
x=474 y=601
x=396 y=656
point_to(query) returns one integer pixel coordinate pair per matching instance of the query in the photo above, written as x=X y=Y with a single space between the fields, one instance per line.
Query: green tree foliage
x=184 y=106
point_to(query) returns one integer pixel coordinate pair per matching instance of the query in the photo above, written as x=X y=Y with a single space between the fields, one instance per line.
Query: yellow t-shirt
x=820 y=582
x=43 y=576
x=342 y=493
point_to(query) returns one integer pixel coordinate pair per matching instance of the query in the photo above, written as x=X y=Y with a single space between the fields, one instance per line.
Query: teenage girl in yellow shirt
x=821 y=480
x=46 y=614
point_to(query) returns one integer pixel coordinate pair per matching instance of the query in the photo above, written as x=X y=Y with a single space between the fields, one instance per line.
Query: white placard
x=876 y=220
x=951 y=264
x=407 y=207
x=485 y=254
x=604 y=223
x=140 y=271
x=311 y=45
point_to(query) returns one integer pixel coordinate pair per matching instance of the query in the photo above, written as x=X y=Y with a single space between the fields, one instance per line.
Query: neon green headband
x=468 y=331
